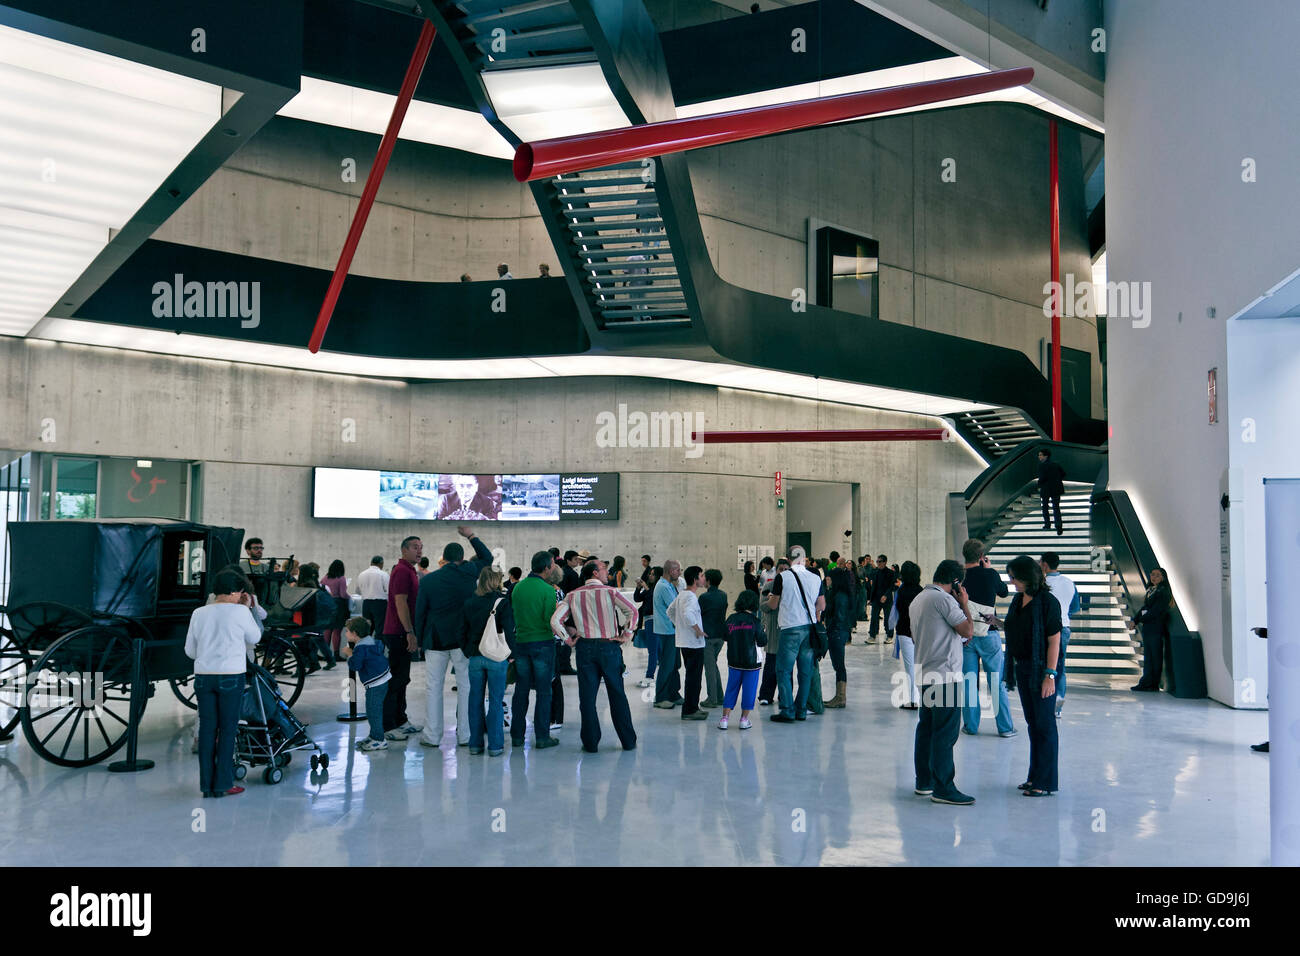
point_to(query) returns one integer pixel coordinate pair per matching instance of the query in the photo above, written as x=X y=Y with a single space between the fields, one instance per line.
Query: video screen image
x=451 y=497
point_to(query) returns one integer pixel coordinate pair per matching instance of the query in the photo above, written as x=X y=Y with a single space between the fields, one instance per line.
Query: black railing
x=1016 y=473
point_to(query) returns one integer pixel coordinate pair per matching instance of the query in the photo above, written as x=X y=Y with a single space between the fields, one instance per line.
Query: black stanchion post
x=352 y=717
x=139 y=690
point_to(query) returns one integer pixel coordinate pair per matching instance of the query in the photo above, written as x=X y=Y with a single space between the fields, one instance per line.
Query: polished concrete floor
x=1146 y=780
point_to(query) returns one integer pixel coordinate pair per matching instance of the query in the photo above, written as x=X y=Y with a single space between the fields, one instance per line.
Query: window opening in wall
x=76 y=487
x=848 y=271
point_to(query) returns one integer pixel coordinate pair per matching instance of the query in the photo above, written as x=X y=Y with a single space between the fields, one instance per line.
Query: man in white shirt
x=688 y=629
x=372 y=585
x=1067 y=595
x=941 y=625
x=797 y=599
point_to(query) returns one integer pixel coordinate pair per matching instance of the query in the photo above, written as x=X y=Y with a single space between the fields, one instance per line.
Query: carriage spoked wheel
x=78 y=704
x=286 y=664
x=184 y=691
x=39 y=624
x=15 y=663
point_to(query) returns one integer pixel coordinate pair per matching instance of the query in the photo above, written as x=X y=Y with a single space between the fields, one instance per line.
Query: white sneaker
x=369 y=745
x=645 y=682
x=410 y=728
x=745 y=724
x=427 y=741
x=398 y=734
x=556 y=728
x=722 y=724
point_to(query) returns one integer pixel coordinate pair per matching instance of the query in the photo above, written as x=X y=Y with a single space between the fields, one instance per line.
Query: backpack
x=492 y=644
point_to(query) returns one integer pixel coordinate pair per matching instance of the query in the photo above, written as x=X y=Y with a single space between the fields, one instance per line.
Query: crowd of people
x=572 y=613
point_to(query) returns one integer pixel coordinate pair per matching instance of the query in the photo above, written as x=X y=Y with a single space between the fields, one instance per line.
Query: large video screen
x=428 y=496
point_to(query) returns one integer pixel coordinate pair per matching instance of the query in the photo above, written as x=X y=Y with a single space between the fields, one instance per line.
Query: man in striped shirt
x=599 y=619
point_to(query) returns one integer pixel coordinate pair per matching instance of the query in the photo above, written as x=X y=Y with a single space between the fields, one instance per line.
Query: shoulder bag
x=492 y=644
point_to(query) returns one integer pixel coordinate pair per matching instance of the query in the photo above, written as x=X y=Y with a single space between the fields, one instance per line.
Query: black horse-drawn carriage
x=81 y=593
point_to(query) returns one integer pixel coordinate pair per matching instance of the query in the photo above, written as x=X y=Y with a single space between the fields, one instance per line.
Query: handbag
x=492 y=644
x=816 y=630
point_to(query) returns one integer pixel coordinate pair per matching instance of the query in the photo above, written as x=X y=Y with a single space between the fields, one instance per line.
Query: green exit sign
x=780 y=503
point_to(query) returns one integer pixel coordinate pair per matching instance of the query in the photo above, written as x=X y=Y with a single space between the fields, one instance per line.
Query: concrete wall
x=826 y=510
x=259 y=431
x=1192 y=91
x=439 y=213
x=968 y=257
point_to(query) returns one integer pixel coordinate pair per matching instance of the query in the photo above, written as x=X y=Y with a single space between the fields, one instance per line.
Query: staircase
x=498 y=34
x=1101 y=651
x=996 y=431
x=618 y=245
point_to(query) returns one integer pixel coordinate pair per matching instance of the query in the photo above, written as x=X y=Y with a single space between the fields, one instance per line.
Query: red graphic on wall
x=153 y=487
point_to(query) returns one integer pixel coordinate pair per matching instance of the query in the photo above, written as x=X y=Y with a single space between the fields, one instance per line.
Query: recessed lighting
x=143 y=463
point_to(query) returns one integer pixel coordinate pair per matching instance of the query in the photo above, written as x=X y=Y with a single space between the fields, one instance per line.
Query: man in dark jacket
x=1051 y=485
x=439 y=617
x=882 y=599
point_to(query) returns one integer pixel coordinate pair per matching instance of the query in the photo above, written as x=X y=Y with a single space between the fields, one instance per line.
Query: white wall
x=1193 y=87
x=825 y=509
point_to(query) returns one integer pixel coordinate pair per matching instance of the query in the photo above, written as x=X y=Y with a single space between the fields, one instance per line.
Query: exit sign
x=780 y=503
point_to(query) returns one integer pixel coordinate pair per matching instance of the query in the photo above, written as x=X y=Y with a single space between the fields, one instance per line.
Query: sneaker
x=781 y=719
x=871 y=640
x=1260 y=748
x=556 y=728
x=427 y=741
x=665 y=705
x=410 y=728
x=722 y=724
x=971 y=732
x=1012 y=733
x=765 y=703
x=923 y=791
x=396 y=735
x=889 y=640
x=233 y=792
x=495 y=753
x=369 y=744
x=645 y=682
x=548 y=742
x=745 y=724
x=956 y=799
x=698 y=715
x=1059 y=705
x=475 y=751
x=709 y=703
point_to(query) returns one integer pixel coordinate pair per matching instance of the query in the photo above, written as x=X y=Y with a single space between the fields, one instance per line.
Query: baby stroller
x=268 y=731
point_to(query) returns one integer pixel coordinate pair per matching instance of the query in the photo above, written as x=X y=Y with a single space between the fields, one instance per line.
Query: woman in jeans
x=1033 y=633
x=486 y=674
x=910 y=576
x=645 y=593
x=220 y=640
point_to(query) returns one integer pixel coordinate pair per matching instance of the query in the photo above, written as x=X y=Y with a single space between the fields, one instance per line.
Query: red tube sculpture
x=567 y=154
x=831 y=434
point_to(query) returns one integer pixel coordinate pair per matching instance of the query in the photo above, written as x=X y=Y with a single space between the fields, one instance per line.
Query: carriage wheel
x=39 y=624
x=15 y=662
x=286 y=664
x=79 y=697
x=184 y=691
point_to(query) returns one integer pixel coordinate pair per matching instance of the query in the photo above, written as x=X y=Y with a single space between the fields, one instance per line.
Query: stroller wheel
x=282 y=760
x=241 y=771
x=324 y=760
x=315 y=762
x=273 y=775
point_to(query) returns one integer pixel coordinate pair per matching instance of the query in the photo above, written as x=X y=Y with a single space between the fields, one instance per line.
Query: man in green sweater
x=533 y=602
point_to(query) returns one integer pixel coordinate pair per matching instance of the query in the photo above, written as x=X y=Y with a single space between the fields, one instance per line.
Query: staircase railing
x=1002 y=482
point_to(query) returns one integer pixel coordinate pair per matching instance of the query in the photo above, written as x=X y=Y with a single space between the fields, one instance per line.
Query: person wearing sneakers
x=941 y=625
x=366 y=658
x=667 y=678
x=796 y=597
x=220 y=639
x=399 y=638
x=689 y=634
x=1067 y=595
x=744 y=660
x=533 y=602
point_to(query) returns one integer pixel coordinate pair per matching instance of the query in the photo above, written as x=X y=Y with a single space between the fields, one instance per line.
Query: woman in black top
x=618 y=572
x=645 y=594
x=1033 y=631
x=751 y=579
x=910 y=576
x=1154 y=619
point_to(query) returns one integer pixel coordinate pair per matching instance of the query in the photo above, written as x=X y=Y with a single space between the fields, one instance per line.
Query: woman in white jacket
x=685 y=615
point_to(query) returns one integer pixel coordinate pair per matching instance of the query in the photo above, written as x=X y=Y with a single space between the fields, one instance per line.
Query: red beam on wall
x=567 y=154
x=1054 y=174
x=833 y=434
x=409 y=82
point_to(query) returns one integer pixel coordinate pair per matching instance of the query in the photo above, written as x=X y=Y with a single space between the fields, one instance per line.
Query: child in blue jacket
x=367 y=659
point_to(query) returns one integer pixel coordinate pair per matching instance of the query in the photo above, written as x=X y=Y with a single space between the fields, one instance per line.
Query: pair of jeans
x=986 y=649
x=668 y=682
x=936 y=734
x=907 y=651
x=375 y=709
x=796 y=648
x=399 y=664
x=219 y=697
x=435 y=677
x=1040 y=719
x=712 y=678
x=693 y=658
x=651 y=648
x=534 y=671
x=1060 y=664
x=597 y=660
x=1055 y=503
x=879 y=611
x=486 y=673
x=767 y=686
x=736 y=679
